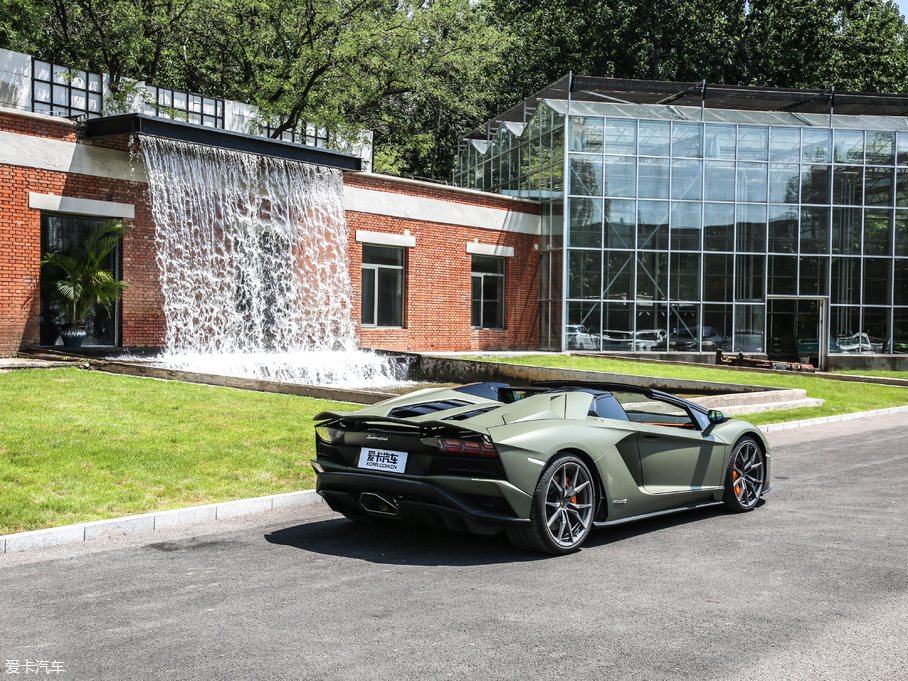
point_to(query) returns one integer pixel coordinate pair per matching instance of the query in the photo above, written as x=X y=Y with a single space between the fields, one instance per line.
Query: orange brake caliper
x=734 y=477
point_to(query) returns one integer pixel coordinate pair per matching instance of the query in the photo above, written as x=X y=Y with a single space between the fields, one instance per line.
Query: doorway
x=796 y=329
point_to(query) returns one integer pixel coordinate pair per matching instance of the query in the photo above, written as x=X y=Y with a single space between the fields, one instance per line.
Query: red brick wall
x=20 y=243
x=438 y=268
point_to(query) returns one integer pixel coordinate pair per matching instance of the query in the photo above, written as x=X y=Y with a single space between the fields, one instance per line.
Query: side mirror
x=715 y=416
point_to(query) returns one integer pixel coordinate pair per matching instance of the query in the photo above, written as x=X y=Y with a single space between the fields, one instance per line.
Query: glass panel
x=390 y=294
x=42 y=92
x=585 y=223
x=753 y=143
x=686 y=179
x=652 y=224
x=783 y=183
x=814 y=276
x=620 y=176
x=902 y=149
x=846 y=231
x=618 y=277
x=900 y=281
x=652 y=320
x=749 y=278
x=848 y=185
x=877 y=281
x=785 y=144
x=368 y=305
x=849 y=146
x=900 y=331
x=901 y=232
x=718 y=277
x=878 y=185
x=586 y=134
x=620 y=223
x=620 y=136
x=814 y=230
x=617 y=326
x=881 y=148
x=720 y=181
x=475 y=301
x=684 y=325
x=557 y=224
x=719 y=141
x=383 y=255
x=718 y=227
x=844 y=330
x=877 y=231
x=652 y=276
x=816 y=146
x=717 y=326
x=653 y=174
x=875 y=324
x=845 y=281
x=751 y=228
x=685 y=227
x=783 y=229
x=558 y=144
x=655 y=138
x=901 y=187
x=586 y=175
x=783 y=275
x=684 y=283
x=750 y=322
x=584 y=274
x=686 y=140
x=488 y=264
x=815 y=184
x=752 y=181
x=583 y=326
x=61 y=95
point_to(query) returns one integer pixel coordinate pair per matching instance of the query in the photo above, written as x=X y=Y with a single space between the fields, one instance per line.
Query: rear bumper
x=418 y=503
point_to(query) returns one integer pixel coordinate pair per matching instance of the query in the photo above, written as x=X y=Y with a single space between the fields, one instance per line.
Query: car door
x=675 y=455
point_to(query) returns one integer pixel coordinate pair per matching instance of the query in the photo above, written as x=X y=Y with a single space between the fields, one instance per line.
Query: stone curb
x=147 y=522
x=769 y=428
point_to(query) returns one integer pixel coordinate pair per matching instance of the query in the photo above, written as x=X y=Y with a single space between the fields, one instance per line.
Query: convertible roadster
x=544 y=464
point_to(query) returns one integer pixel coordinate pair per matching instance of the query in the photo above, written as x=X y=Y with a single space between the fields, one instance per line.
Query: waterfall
x=252 y=258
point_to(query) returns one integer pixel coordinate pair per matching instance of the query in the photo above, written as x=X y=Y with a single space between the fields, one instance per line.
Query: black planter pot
x=72 y=335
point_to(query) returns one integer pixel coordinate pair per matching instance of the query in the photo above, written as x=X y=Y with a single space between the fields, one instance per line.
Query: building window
x=383 y=286
x=63 y=234
x=487 y=310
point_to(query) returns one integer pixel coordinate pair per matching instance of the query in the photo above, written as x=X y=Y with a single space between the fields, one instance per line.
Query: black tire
x=561 y=515
x=745 y=476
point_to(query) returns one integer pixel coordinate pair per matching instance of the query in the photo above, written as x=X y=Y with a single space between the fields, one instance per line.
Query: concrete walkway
x=14 y=363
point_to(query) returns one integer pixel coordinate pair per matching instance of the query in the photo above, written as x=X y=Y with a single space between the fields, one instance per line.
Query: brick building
x=462 y=274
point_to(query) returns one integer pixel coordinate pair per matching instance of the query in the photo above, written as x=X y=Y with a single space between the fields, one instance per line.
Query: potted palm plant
x=80 y=280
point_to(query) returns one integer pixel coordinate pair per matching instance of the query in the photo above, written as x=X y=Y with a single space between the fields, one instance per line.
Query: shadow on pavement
x=391 y=543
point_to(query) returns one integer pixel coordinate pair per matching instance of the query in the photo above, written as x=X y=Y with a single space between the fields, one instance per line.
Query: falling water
x=251 y=252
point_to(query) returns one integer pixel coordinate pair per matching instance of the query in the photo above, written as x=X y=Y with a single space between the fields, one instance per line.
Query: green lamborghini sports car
x=544 y=464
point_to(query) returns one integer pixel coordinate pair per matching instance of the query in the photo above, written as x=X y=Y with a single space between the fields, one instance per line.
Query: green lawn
x=841 y=397
x=81 y=445
x=881 y=374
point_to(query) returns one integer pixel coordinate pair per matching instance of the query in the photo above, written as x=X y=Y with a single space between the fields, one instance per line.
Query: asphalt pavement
x=813 y=584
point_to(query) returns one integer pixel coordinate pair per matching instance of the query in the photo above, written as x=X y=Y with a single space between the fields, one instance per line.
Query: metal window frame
x=66 y=110
x=375 y=267
x=481 y=276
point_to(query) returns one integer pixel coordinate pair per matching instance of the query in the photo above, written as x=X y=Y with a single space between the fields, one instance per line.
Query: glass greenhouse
x=696 y=228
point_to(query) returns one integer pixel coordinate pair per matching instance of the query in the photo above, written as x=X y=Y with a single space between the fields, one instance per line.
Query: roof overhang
x=702 y=94
x=139 y=124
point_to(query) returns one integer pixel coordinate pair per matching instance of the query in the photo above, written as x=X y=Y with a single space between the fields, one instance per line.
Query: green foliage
x=79 y=279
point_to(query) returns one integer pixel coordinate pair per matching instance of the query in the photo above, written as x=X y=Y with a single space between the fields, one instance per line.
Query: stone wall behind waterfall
x=42 y=160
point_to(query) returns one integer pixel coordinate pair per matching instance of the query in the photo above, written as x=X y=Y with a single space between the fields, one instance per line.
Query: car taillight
x=327 y=434
x=470 y=447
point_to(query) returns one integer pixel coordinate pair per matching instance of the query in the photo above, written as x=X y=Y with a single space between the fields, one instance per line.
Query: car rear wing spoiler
x=424 y=428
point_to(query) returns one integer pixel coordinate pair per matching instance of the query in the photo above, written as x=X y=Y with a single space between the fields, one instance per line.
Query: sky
x=903 y=5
